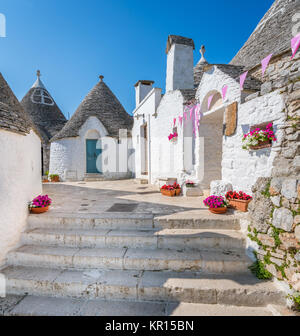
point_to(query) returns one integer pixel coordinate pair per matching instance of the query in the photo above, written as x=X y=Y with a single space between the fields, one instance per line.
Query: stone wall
x=275 y=209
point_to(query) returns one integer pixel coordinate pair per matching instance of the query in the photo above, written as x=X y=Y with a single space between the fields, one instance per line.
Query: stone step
x=190 y=287
x=89 y=177
x=150 y=239
x=113 y=220
x=207 y=221
x=45 y=306
x=209 y=260
x=107 y=220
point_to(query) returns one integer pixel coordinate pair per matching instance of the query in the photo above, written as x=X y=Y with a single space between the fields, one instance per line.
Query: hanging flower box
x=259 y=138
x=261 y=145
x=238 y=201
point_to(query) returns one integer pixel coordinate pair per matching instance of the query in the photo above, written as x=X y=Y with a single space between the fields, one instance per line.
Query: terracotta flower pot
x=177 y=192
x=169 y=193
x=218 y=210
x=262 y=144
x=241 y=205
x=55 y=179
x=39 y=210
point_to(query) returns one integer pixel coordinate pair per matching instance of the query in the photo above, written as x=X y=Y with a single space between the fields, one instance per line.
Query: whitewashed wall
x=166 y=159
x=240 y=167
x=147 y=108
x=20 y=182
x=70 y=153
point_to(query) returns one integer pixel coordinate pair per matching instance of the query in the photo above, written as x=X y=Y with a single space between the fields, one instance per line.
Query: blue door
x=92 y=154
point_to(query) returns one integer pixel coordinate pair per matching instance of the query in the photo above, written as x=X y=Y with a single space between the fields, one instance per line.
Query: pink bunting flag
x=242 y=79
x=180 y=120
x=264 y=63
x=295 y=44
x=197 y=109
x=210 y=98
x=224 y=91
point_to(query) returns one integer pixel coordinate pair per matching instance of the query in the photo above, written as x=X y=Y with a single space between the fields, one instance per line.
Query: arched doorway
x=211 y=137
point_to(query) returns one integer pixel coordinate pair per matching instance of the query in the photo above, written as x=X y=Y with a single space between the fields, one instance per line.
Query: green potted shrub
x=54 y=178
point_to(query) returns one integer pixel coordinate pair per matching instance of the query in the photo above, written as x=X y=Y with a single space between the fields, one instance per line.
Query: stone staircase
x=134 y=264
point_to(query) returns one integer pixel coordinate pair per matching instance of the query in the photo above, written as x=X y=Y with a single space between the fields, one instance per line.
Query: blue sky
x=73 y=42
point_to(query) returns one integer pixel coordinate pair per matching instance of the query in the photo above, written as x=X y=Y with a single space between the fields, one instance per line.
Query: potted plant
x=238 y=200
x=40 y=204
x=190 y=184
x=45 y=178
x=259 y=138
x=54 y=178
x=173 y=137
x=177 y=188
x=168 y=190
x=216 y=204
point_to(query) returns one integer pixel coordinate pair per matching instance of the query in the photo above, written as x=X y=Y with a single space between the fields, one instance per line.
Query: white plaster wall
x=20 y=182
x=166 y=158
x=239 y=166
x=180 y=68
x=145 y=110
x=70 y=153
x=212 y=82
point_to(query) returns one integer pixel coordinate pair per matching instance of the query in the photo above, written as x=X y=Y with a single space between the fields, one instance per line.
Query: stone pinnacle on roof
x=202 y=52
x=101 y=103
x=38 y=83
x=200 y=68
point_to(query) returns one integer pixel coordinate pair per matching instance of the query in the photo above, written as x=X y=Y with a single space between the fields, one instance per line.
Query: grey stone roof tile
x=12 y=116
x=102 y=104
x=272 y=35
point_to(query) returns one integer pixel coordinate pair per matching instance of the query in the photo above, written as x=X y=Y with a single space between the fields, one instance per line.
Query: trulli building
x=215 y=153
x=45 y=114
x=95 y=143
x=20 y=167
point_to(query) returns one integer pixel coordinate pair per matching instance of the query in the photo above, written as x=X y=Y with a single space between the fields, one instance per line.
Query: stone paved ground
x=95 y=197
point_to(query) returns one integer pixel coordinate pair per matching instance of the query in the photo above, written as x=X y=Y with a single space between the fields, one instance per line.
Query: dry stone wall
x=275 y=209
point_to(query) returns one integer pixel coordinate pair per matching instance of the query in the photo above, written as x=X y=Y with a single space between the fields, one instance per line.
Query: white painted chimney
x=142 y=88
x=180 y=63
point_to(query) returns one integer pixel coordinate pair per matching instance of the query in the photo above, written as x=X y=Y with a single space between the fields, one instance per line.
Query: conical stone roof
x=272 y=35
x=102 y=104
x=43 y=110
x=12 y=116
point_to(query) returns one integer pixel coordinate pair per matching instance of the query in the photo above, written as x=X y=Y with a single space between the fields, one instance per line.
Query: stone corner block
x=220 y=188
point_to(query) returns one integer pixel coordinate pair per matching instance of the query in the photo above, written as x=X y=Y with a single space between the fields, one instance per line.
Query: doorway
x=93 y=166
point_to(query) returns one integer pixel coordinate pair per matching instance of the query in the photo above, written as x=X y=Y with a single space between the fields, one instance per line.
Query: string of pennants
x=194 y=110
